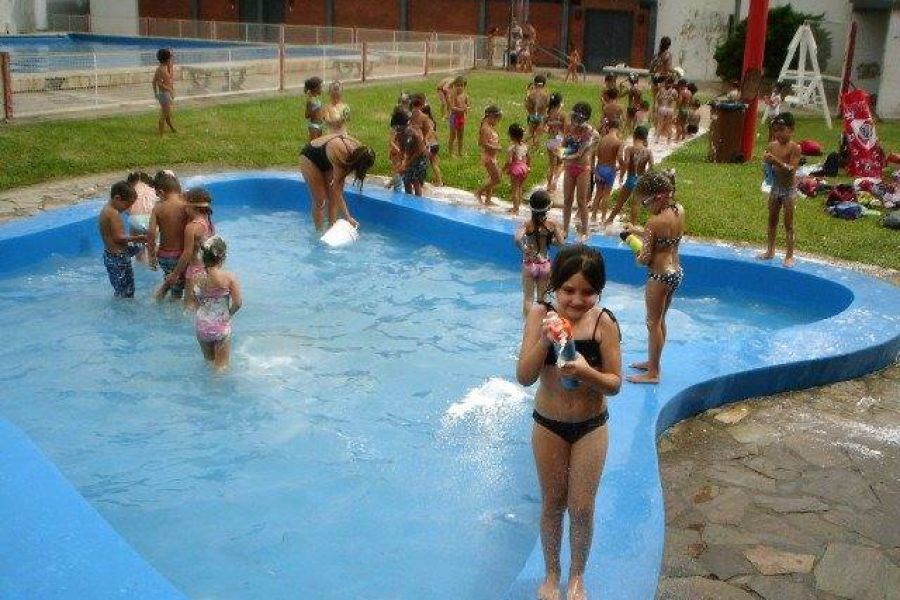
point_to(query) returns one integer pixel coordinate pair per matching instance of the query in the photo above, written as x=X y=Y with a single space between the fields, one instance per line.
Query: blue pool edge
x=103 y=560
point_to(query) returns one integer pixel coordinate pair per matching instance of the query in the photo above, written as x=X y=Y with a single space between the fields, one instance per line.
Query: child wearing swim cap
x=534 y=238
x=218 y=297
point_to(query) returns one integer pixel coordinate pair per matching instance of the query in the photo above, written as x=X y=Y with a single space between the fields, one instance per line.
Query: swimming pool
x=369 y=441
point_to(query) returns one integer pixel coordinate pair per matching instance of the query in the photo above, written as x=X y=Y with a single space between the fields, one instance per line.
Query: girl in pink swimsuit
x=198 y=229
x=534 y=238
x=219 y=297
x=578 y=155
x=518 y=164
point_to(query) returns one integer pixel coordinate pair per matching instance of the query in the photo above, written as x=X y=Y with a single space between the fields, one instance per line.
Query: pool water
x=368 y=442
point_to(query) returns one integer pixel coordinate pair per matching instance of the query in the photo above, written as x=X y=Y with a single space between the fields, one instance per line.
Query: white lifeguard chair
x=807 y=90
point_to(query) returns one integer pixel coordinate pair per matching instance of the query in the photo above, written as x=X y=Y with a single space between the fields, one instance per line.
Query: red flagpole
x=754 y=50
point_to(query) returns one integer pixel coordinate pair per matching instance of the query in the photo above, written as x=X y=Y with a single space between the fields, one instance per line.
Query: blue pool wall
x=852 y=329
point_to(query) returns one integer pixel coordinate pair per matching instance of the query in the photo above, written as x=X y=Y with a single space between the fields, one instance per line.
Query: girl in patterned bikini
x=219 y=297
x=518 y=164
x=656 y=192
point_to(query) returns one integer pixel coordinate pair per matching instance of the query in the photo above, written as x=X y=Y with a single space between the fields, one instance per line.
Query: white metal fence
x=263 y=58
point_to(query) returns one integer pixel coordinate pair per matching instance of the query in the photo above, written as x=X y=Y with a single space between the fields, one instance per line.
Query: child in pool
x=489 y=142
x=570 y=433
x=534 y=238
x=459 y=108
x=167 y=220
x=636 y=159
x=139 y=213
x=314 y=120
x=118 y=246
x=555 y=123
x=218 y=299
x=518 y=164
x=198 y=229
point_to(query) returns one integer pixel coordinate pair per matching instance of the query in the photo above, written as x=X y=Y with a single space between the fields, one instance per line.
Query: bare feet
x=549 y=590
x=576 y=589
x=489 y=202
x=765 y=256
x=512 y=211
x=789 y=261
x=640 y=366
x=645 y=378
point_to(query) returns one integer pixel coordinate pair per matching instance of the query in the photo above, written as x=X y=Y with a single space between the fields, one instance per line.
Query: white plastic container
x=340 y=234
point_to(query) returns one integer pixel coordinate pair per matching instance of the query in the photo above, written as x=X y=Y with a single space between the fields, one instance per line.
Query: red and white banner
x=865 y=157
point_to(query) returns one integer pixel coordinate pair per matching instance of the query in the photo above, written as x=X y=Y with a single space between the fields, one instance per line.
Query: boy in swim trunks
x=459 y=107
x=783 y=156
x=415 y=159
x=608 y=151
x=636 y=160
x=167 y=219
x=421 y=118
x=118 y=247
x=611 y=110
x=164 y=88
x=536 y=101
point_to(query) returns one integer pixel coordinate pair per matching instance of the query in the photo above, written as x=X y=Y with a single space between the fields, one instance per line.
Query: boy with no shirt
x=117 y=248
x=608 y=151
x=168 y=218
x=783 y=155
x=164 y=88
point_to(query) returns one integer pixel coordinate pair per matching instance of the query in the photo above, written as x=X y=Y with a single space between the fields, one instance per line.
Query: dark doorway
x=262 y=11
x=607 y=38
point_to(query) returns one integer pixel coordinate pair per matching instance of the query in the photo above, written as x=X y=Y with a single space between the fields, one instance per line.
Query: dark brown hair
x=359 y=162
x=575 y=259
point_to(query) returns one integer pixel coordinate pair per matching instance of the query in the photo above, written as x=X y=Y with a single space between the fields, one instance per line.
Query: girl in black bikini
x=325 y=166
x=569 y=437
x=656 y=191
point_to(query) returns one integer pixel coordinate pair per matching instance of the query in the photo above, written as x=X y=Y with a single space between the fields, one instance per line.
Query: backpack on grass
x=846 y=210
x=892 y=220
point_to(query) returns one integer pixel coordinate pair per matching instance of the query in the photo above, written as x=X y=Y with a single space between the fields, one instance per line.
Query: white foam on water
x=492 y=399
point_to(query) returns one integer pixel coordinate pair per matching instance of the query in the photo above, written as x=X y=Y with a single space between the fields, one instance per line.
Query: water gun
x=561 y=333
x=570 y=146
x=634 y=242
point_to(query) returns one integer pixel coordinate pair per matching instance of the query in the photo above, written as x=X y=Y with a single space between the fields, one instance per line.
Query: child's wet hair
x=199 y=198
x=460 y=80
x=313 y=84
x=359 y=162
x=123 y=190
x=213 y=251
x=613 y=123
x=664 y=43
x=641 y=132
x=582 y=110
x=610 y=94
x=336 y=87
x=784 y=119
x=163 y=55
x=399 y=118
x=555 y=100
x=576 y=259
x=417 y=100
x=136 y=176
x=166 y=183
x=516 y=133
x=540 y=80
x=655 y=182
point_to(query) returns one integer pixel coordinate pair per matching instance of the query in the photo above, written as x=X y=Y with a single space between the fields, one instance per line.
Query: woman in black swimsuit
x=569 y=437
x=656 y=191
x=325 y=163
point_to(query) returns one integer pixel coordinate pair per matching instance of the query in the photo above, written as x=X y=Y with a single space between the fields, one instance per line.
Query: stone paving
x=788 y=497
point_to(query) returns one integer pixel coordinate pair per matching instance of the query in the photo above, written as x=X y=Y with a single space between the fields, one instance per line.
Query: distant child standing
x=218 y=299
x=665 y=111
x=459 y=108
x=574 y=60
x=555 y=124
x=634 y=98
x=534 y=238
x=198 y=229
x=164 y=88
x=444 y=91
x=117 y=246
x=642 y=115
x=608 y=150
x=783 y=156
x=578 y=155
x=636 y=160
x=399 y=122
x=518 y=164
x=314 y=111
x=536 y=106
x=337 y=114
x=489 y=142
x=683 y=103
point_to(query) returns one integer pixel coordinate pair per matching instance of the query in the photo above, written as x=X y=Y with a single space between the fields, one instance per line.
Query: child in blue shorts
x=636 y=160
x=118 y=246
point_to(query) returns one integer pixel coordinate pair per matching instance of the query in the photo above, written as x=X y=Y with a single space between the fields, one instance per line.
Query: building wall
x=115 y=17
x=371 y=14
x=450 y=16
x=17 y=16
x=889 y=92
x=169 y=9
x=868 y=57
x=305 y=12
x=216 y=10
x=695 y=28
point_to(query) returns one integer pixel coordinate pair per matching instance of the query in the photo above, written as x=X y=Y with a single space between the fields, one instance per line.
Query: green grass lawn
x=723 y=201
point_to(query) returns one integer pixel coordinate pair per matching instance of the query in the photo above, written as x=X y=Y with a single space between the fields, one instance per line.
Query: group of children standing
x=178 y=235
